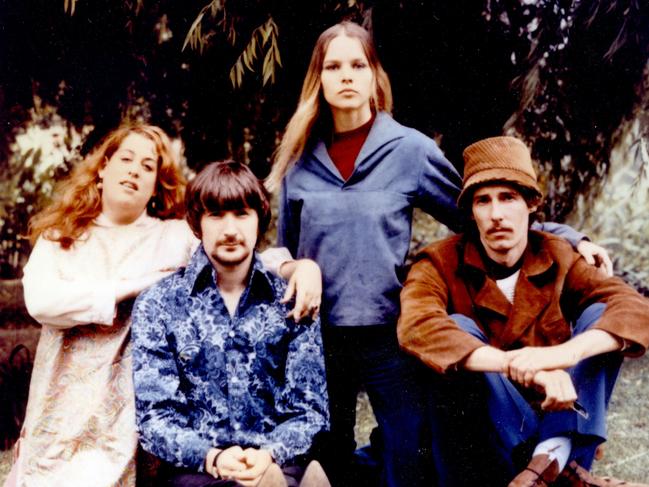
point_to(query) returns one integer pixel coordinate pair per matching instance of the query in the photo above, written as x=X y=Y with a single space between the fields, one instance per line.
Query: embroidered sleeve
x=162 y=411
x=303 y=400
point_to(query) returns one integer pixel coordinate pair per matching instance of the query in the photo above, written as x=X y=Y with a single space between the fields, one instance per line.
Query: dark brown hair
x=226 y=186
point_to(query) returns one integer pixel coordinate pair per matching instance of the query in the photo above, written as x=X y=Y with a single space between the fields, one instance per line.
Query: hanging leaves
x=263 y=37
x=69 y=6
x=195 y=37
x=264 y=42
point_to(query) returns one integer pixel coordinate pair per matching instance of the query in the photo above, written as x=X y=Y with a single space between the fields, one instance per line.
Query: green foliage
x=264 y=36
x=41 y=152
x=616 y=217
x=580 y=63
x=262 y=42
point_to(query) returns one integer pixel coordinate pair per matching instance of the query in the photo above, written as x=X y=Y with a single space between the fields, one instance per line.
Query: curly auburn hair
x=77 y=200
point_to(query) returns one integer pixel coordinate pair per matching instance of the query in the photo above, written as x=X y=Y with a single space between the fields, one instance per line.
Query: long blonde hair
x=78 y=198
x=309 y=109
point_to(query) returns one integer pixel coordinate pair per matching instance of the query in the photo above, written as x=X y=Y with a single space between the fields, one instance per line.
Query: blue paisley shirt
x=205 y=379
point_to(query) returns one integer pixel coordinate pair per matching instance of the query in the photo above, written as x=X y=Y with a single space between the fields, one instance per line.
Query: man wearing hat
x=528 y=337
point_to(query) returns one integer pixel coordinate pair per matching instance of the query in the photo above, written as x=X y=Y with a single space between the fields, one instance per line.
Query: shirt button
x=231 y=334
x=236 y=426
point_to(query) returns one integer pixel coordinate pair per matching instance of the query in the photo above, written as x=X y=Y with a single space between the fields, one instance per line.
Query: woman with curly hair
x=112 y=231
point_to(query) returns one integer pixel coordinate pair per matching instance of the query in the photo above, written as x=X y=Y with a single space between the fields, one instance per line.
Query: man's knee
x=588 y=318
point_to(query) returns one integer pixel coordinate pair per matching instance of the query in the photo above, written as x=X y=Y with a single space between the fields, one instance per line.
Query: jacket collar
x=531 y=297
x=384 y=129
x=536 y=260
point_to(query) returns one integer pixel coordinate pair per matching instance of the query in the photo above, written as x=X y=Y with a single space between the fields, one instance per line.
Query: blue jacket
x=359 y=230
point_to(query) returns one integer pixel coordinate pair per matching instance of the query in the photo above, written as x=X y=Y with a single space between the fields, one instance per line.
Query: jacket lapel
x=531 y=297
x=487 y=295
x=384 y=130
x=321 y=154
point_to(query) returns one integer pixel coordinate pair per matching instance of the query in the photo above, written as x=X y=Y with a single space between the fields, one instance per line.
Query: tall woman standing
x=350 y=177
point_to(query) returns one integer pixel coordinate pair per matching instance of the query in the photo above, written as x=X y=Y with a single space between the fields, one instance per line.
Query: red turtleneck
x=345 y=147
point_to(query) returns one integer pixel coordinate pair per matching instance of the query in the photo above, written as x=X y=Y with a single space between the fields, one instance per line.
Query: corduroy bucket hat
x=504 y=159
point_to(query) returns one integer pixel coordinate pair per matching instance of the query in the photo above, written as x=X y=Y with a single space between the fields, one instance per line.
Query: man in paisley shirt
x=229 y=389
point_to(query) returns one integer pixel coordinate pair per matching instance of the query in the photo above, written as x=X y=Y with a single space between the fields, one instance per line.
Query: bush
x=42 y=150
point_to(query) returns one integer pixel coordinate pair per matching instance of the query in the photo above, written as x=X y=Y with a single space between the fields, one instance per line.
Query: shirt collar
x=200 y=274
x=144 y=220
x=384 y=129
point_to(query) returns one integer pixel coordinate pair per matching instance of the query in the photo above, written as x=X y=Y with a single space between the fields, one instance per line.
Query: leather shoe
x=575 y=475
x=540 y=472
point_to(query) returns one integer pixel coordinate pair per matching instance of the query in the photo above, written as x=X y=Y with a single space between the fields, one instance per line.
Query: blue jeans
x=370 y=357
x=501 y=427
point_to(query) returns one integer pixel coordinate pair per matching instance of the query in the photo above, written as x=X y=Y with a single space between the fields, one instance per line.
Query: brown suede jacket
x=554 y=286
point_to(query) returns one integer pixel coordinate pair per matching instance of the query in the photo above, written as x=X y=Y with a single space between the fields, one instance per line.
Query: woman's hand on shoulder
x=597 y=256
x=305 y=284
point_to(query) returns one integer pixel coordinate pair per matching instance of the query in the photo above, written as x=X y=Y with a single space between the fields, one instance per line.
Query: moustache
x=229 y=241
x=498 y=229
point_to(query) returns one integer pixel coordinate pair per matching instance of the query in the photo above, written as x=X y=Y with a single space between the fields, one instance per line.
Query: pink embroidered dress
x=80 y=424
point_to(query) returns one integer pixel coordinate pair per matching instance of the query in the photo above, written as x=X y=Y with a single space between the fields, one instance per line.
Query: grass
x=626 y=453
x=5 y=464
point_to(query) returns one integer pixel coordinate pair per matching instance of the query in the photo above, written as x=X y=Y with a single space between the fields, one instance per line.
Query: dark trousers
x=179 y=477
x=370 y=357
x=485 y=429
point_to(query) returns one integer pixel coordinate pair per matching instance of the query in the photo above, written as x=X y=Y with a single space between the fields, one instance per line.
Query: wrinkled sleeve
x=303 y=400
x=425 y=329
x=273 y=258
x=162 y=413
x=439 y=186
x=627 y=312
x=64 y=303
x=561 y=230
x=288 y=226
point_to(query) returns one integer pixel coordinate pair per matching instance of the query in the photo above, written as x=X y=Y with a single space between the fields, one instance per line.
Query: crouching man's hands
x=523 y=364
x=247 y=466
x=558 y=388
